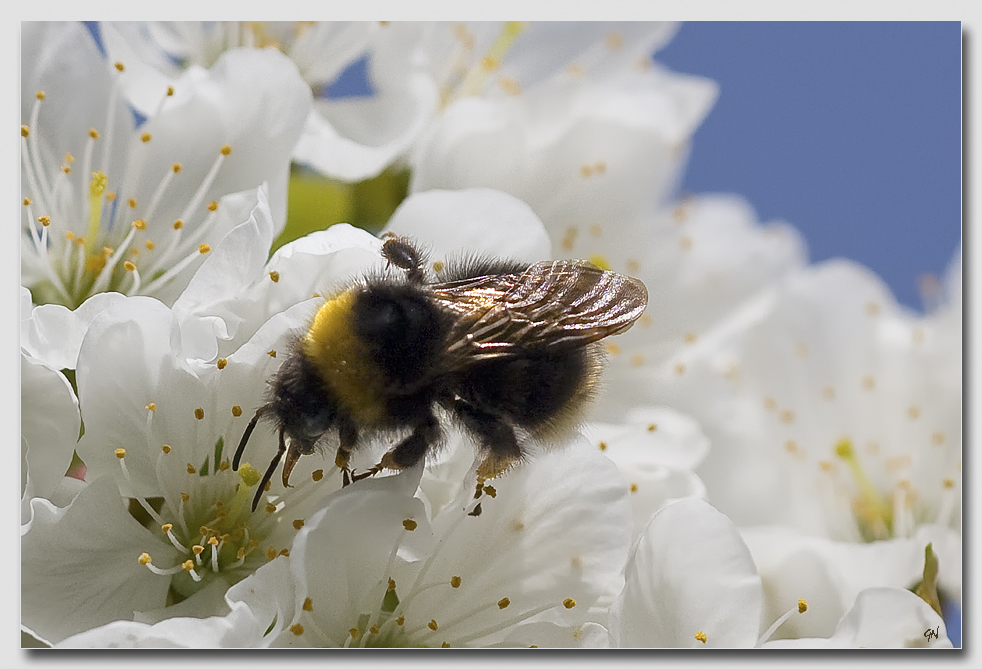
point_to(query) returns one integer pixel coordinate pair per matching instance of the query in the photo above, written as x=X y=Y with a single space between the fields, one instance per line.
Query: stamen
x=167 y=528
x=478 y=74
x=801 y=607
x=206 y=183
x=869 y=506
x=161 y=188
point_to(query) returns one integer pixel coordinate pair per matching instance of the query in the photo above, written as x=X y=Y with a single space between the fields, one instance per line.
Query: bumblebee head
x=298 y=405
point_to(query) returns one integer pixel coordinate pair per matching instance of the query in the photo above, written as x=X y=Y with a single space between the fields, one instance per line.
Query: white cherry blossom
x=113 y=204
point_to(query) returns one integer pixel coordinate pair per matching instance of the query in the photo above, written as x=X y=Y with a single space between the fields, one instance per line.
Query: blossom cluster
x=774 y=460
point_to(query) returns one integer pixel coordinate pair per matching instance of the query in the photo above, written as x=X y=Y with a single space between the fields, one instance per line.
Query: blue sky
x=848 y=130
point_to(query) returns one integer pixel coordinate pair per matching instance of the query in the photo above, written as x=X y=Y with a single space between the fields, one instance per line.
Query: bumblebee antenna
x=245 y=438
x=269 y=470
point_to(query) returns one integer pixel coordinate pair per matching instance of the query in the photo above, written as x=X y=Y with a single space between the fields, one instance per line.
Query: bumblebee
x=506 y=348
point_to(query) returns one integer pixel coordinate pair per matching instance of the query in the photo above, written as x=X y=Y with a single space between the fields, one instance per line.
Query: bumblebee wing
x=564 y=303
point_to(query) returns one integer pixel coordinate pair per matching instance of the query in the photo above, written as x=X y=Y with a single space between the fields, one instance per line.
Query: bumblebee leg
x=413 y=448
x=496 y=437
x=269 y=471
x=348 y=435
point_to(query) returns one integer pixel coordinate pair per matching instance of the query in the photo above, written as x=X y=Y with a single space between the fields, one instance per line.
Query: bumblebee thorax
x=343 y=360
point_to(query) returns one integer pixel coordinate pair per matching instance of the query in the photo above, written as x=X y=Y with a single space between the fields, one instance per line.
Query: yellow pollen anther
x=129 y=266
x=298 y=523
x=613 y=348
x=270 y=508
x=24 y=131
x=652 y=427
x=213 y=205
x=221 y=363
x=44 y=220
x=634 y=487
x=236 y=410
x=188 y=565
x=297 y=629
x=185 y=497
x=679 y=369
x=119 y=66
x=271 y=353
x=317 y=474
x=701 y=636
x=203 y=249
x=227 y=149
x=503 y=602
x=145 y=137
x=144 y=559
x=178 y=224
x=151 y=407
x=600 y=261
x=120 y=453
x=614 y=41
x=110 y=196
x=844 y=449
x=199 y=413
x=432 y=625
x=392 y=585
x=213 y=541
x=690 y=337
x=603 y=445
x=197 y=549
x=569 y=602
x=170 y=91
x=224 y=465
x=354 y=632
x=167 y=527
x=308 y=604
x=248 y=474
x=165 y=448
x=948 y=483
x=175 y=168
x=149 y=244
x=270 y=553
x=802 y=606
x=132 y=203
x=39 y=95
x=455 y=582
x=191 y=469
x=400 y=621
x=274 y=276
x=27 y=201
x=93 y=133
x=409 y=524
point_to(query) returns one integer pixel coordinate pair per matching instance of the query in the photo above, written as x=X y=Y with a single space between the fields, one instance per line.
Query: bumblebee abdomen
x=543 y=390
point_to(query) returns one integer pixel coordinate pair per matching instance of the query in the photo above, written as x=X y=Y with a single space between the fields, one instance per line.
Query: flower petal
x=80 y=568
x=472 y=221
x=882 y=618
x=690 y=572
